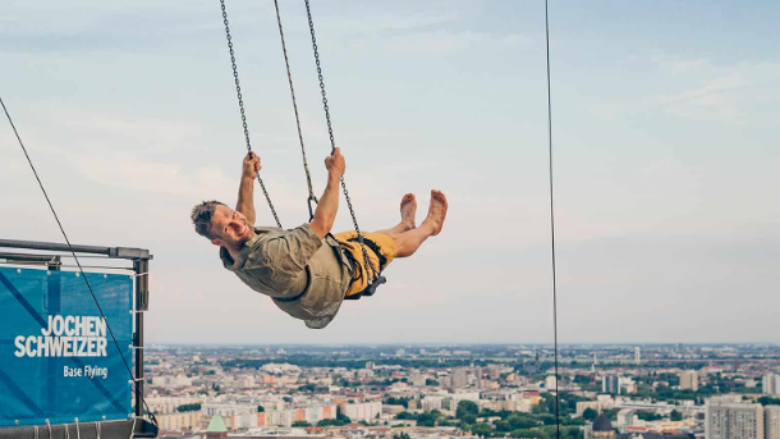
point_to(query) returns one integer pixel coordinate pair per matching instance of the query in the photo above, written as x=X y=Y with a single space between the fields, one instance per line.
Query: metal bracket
x=128 y=253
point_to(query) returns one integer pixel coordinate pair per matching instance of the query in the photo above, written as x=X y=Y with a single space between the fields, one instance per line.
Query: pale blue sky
x=665 y=136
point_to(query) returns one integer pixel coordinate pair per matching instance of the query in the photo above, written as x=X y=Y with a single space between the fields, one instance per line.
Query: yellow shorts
x=381 y=251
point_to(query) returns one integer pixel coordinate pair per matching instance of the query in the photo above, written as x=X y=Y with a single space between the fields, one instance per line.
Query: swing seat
x=371 y=289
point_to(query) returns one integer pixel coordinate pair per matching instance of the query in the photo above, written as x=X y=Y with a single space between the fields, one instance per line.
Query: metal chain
x=241 y=107
x=312 y=197
x=333 y=142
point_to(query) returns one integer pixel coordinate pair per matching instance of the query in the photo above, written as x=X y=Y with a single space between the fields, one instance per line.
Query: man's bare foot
x=409 y=211
x=437 y=211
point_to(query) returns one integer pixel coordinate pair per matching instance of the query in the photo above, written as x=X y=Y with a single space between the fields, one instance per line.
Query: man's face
x=231 y=227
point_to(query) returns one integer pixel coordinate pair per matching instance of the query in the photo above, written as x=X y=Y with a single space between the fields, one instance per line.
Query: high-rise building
x=449 y=403
x=637 y=355
x=550 y=382
x=365 y=411
x=431 y=403
x=494 y=371
x=728 y=420
x=627 y=385
x=771 y=384
x=417 y=379
x=460 y=378
x=772 y=422
x=689 y=380
x=611 y=384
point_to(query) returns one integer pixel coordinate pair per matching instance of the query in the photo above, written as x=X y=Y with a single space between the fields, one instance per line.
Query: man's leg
x=408 y=242
x=408 y=213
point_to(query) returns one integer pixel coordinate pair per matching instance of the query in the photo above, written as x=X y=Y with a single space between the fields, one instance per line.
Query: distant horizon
x=421 y=344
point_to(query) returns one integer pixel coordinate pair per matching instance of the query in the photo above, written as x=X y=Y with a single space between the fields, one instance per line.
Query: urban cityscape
x=446 y=391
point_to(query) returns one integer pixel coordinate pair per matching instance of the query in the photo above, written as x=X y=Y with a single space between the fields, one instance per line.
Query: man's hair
x=202 y=215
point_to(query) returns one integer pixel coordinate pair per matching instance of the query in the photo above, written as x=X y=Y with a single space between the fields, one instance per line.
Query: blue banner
x=57 y=358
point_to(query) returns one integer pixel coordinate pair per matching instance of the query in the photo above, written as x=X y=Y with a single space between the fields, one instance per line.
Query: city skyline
x=352 y=393
x=664 y=135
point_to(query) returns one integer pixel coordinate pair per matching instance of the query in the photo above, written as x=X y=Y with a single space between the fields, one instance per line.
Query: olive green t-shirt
x=307 y=277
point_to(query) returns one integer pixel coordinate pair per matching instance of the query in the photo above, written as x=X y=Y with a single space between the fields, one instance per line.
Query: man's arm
x=328 y=206
x=246 y=199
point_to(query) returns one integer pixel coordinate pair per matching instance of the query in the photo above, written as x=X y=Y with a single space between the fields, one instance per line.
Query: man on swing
x=306 y=271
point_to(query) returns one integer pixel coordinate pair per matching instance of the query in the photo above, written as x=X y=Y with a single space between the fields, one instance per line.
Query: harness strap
x=375 y=248
x=359 y=269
